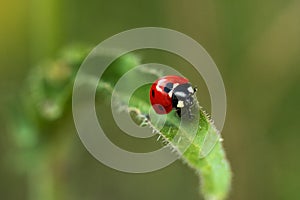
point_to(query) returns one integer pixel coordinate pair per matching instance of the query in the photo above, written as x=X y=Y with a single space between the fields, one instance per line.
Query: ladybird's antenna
x=195 y=89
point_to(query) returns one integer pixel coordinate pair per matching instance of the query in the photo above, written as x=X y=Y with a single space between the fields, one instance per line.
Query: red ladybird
x=172 y=92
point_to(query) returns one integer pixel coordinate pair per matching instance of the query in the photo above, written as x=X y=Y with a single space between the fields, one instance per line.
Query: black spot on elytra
x=168 y=87
x=167 y=90
x=153 y=93
x=161 y=108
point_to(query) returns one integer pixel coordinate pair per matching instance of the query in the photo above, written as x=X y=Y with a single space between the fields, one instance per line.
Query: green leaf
x=197 y=141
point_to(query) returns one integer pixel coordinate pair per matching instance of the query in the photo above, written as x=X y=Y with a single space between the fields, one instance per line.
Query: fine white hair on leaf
x=158 y=138
x=179 y=140
x=169 y=131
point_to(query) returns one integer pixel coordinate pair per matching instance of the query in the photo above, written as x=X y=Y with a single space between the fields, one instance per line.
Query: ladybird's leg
x=147 y=116
x=174 y=105
x=178 y=112
x=174 y=101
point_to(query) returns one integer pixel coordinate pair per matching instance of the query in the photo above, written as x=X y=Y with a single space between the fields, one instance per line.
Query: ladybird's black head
x=183 y=99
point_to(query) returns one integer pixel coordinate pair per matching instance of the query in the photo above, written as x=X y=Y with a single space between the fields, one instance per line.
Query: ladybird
x=172 y=93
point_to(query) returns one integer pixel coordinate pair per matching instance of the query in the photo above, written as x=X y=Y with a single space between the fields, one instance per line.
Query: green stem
x=46 y=173
x=41 y=180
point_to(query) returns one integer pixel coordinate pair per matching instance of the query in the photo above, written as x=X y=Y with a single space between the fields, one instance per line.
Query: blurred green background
x=255 y=44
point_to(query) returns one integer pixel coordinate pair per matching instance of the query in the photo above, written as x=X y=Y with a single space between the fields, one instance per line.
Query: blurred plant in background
x=35 y=115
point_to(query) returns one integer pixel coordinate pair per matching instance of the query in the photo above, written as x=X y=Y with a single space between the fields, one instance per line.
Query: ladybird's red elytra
x=172 y=92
